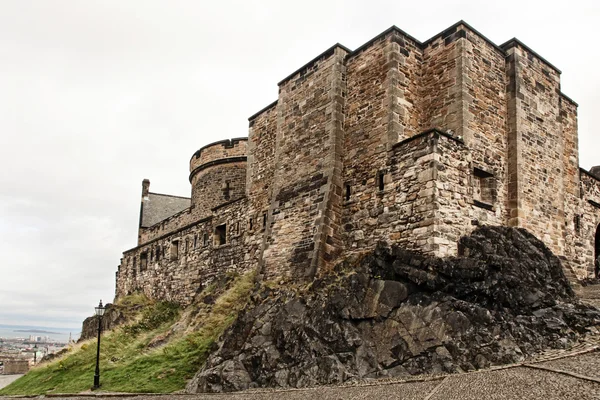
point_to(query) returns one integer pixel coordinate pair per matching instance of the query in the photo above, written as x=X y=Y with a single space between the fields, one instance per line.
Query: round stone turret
x=218 y=174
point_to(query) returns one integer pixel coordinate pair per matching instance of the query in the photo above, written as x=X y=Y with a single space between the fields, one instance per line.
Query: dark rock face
x=400 y=313
x=113 y=316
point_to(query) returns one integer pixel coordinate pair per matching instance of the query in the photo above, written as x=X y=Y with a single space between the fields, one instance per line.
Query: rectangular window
x=221 y=235
x=205 y=240
x=348 y=192
x=250 y=224
x=143 y=261
x=381 y=180
x=195 y=241
x=484 y=188
x=174 y=250
x=264 y=220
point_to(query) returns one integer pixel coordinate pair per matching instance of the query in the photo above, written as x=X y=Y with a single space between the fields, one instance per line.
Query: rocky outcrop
x=395 y=313
x=113 y=316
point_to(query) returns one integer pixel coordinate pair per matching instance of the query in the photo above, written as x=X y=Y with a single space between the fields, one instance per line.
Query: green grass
x=129 y=362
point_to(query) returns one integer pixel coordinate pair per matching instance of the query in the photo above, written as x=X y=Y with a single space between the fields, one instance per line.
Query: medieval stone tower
x=405 y=141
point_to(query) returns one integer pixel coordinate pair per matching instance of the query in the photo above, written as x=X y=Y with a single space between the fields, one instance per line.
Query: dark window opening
x=175 y=250
x=577 y=224
x=187 y=245
x=221 y=235
x=226 y=190
x=237 y=228
x=250 y=224
x=484 y=187
x=348 y=192
x=143 y=261
x=381 y=181
x=264 y=220
x=195 y=241
x=158 y=253
x=205 y=239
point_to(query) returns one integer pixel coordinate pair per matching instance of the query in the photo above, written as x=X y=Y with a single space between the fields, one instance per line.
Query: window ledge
x=481 y=204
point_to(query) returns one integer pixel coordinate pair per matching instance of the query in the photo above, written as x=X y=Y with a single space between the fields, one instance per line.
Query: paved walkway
x=5 y=380
x=554 y=376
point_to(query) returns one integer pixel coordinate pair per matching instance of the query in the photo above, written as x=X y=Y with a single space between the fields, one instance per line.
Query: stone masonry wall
x=307 y=152
x=181 y=264
x=216 y=185
x=572 y=200
x=411 y=143
x=589 y=223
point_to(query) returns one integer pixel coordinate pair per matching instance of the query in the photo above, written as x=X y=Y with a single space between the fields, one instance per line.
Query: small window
x=577 y=224
x=264 y=220
x=175 y=250
x=348 y=192
x=250 y=224
x=158 y=253
x=381 y=180
x=187 y=245
x=205 y=240
x=237 y=228
x=221 y=235
x=484 y=187
x=143 y=261
x=226 y=190
x=195 y=241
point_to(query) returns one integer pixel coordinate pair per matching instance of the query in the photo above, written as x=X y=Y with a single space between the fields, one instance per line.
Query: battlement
x=223 y=151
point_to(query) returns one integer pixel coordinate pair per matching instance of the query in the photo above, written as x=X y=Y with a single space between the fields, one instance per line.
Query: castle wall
x=485 y=120
x=171 y=224
x=261 y=161
x=589 y=221
x=458 y=211
x=177 y=266
x=441 y=90
x=572 y=199
x=301 y=220
x=407 y=142
x=218 y=175
x=216 y=185
x=536 y=148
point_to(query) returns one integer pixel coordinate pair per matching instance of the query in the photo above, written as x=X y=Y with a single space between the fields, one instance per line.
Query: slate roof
x=595 y=171
x=157 y=207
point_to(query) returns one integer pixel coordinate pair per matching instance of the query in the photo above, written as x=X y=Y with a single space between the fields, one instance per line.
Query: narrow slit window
x=221 y=235
x=205 y=239
x=381 y=181
x=250 y=224
x=264 y=220
x=348 y=192
x=195 y=241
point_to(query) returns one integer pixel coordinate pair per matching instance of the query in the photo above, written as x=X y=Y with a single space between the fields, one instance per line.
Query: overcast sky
x=97 y=95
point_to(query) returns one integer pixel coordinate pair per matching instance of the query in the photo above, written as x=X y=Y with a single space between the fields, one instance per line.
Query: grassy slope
x=130 y=361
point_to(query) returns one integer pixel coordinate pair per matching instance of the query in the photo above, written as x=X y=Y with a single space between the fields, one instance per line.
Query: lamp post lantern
x=35 y=354
x=99 y=313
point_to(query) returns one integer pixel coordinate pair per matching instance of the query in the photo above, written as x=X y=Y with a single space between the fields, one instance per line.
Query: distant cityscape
x=19 y=352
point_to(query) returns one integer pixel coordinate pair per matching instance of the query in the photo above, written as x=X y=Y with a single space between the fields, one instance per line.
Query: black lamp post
x=35 y=354
x=99 y=313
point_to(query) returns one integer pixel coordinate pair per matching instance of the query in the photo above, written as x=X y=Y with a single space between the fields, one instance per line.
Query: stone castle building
x=410 y=142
